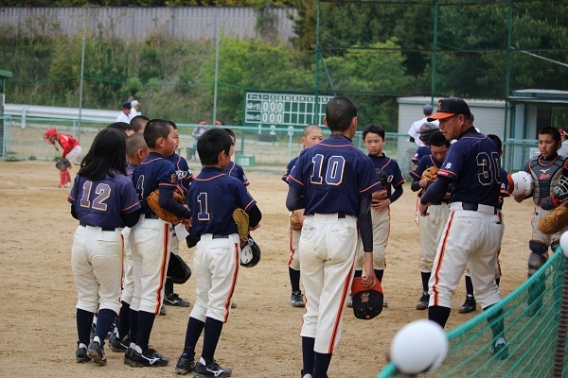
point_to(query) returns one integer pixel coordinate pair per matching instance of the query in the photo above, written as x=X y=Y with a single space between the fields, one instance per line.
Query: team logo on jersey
x=173 y=178
x=182 y=174
x=448 y=166
x=543 y=174
x=415 y=167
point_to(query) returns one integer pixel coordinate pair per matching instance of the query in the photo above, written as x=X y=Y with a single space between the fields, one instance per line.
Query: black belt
x=340 y=215
x=151 y=216
x=215 y=236
x=474 y=207
x=102 y=228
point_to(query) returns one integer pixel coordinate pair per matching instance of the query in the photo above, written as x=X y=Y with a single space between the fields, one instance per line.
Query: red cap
x=51 y=132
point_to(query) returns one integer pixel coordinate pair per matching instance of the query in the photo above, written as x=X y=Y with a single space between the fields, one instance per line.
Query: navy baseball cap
x=126 y=105
x=448 y=107
x=367 y=301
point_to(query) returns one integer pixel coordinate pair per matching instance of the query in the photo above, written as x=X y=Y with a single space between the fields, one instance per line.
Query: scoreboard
x=283 y=109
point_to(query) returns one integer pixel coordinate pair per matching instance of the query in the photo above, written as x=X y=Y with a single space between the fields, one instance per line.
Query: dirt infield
x=261 y=338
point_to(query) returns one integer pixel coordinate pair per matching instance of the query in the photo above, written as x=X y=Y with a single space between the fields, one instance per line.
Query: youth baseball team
x=341 y=197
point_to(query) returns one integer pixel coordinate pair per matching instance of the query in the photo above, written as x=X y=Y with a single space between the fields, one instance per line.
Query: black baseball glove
x=62 y=164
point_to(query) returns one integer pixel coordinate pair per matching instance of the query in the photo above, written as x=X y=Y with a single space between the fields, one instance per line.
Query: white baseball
x=564 y=243
x=419 y=347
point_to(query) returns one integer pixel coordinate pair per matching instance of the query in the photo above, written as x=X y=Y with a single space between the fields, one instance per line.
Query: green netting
x=530 y=329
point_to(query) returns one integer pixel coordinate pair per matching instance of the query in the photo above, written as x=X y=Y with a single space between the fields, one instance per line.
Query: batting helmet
x=367 y=301
x=426 y=130
x=250 y=253
x=178 y=270
x=51 y=132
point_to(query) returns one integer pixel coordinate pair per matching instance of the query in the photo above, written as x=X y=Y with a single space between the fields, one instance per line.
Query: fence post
x=290 y=141
x=562 y=325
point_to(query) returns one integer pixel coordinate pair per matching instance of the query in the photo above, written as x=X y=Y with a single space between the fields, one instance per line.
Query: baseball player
x=104 y=201
x=124 y=127
x=119 y=341
x=151 y=241
x=391 y=178
x=212 y=198
x=430 y=227
x=415 y=127
x=424 y=133
x=474 y=230
x=333 y=182
x=545 y=169
x=312 y=135
x=124 y=115
x=470 y=304
x=70 y=150
x=138 y=123
x=184 y=177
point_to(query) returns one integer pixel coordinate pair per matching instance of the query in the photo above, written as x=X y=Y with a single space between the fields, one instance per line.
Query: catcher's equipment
x=62 y=164
x=51 y=132
x=191 y=239
x=153 y=201
x=430 y=174
x=520 y=182
x=367 y=302
x=178 y=271
x=560 y=191
x=556 y=221
x=250 y=253
x=295 y=221
x=241 y=218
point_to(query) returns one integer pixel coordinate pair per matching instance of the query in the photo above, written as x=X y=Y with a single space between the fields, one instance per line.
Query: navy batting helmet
x=367 y=301
x=426 y=130
x=250 y=253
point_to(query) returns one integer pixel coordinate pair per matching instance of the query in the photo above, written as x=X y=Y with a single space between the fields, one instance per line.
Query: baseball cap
x=426 y=130
x=563 y=131
x=367 y=302
x=52 y=131
x=448 y=107
x=134 y=103
x=126 y=105
x=427 y=109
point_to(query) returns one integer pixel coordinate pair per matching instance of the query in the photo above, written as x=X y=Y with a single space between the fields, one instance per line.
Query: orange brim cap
x=440 y=115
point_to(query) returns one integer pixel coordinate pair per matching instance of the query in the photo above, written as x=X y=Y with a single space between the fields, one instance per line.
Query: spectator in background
x=414 y=129
x=124 y=115
x=138 y=123
x=135 y=106
x=197 y=132
x=564 y=138
x=218 y=122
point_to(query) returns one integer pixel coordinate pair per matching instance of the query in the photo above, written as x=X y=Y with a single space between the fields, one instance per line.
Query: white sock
x=97 y=339
x=132 y=345
x=82 y=346
x=137 y=348
x=202 y=361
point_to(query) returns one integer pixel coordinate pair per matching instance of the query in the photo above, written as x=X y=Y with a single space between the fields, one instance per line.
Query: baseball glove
x=62 y=164
x=153 y=201
x=430 y=174
x=556 y=221
x=295 y=221
x=241 y=218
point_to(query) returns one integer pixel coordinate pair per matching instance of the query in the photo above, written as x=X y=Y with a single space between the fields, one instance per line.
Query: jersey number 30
x=333 y=173
x=490 y=168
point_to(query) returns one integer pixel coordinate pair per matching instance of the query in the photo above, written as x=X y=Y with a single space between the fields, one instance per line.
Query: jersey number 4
x=490 y=168
x=333 y=173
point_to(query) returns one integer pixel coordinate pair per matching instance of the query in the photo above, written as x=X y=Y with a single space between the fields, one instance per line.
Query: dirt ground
x=261 y=338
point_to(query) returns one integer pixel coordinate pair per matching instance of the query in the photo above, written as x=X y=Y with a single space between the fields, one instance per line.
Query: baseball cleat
x=81 y=354
x=163 y=310
x=297 y=299
x=350 y=301
x=499 y=350
x=211 y=370
x=185 y=365
x=117 y=345
x=148 y=358
x=468 y=306
x=233 y=304
x=97 y=353
x=423 y=301
x=175 y=300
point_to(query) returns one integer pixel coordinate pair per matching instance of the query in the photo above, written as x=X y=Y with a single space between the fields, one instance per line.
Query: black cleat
x=211 y=370
x=297 y=299
x=97 y=353
x=423 y=302
x=175 y=300
x=184 y=366
x=147 y=358
x=117 y=345
x=468 y=306
x=81 y=354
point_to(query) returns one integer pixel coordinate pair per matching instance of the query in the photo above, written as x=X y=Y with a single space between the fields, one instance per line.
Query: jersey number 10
x=333 y=173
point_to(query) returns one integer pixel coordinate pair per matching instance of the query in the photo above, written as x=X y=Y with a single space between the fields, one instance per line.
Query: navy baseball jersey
x=327 y=178
x=102 y=203
x=183 y=173
x=388 y=172
x=236 y=171
x=420 y=153
x=153 y=173
x=212 y=198
x=545 y=173
x=130 y=169
x=475 y=160
x=289 y=168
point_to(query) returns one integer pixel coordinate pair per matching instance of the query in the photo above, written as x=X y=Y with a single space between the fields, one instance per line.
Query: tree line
x=372 y=51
